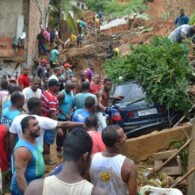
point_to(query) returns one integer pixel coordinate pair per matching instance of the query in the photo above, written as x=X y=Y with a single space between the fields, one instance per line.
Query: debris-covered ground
x=94 y=49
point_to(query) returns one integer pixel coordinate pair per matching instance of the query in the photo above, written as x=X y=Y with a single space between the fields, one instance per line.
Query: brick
x=6 y=50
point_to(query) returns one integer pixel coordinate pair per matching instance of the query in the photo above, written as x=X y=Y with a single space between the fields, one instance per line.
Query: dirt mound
x=95 y=50
x=92 y=51
x=162 y=14
x=155 y=9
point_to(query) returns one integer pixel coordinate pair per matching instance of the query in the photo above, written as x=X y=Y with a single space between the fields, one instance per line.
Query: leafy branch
x=161 y=67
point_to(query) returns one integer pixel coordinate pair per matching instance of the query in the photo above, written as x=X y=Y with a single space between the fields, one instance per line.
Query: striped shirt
x=49 y=103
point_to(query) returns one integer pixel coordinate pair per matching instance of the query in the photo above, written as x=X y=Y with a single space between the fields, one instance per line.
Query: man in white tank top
x=110 y=170
x=69 y=181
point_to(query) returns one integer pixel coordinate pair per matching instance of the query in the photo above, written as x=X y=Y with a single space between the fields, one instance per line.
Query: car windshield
x=132 y=92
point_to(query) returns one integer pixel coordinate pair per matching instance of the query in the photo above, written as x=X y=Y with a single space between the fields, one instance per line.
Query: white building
x=79 y=3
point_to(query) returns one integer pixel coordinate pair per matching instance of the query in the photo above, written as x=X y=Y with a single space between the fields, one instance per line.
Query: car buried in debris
x=136 y=115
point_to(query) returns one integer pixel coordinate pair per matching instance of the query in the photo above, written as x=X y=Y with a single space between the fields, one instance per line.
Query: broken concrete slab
x=143 y=147
x=114 y=23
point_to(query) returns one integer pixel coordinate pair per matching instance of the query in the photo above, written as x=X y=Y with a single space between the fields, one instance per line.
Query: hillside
x=161 y=14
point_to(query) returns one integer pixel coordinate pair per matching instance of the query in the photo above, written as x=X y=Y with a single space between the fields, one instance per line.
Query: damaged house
x=20 y=23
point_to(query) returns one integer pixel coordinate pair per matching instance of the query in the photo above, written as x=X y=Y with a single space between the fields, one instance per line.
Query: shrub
x=161 y=67
x=192 y=19
x=115 y=9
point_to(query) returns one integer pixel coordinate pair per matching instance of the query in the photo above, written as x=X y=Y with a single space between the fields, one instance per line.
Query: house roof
x=83 y=1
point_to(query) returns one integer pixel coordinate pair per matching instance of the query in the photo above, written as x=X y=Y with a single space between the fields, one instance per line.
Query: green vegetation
x=161 y=67
x=114 y=8
x=177 y=144
x=192 y=19
x=60 y=8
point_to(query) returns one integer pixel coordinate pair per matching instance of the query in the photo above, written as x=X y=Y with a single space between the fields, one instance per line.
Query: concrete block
x=174 y=167
x=143 y=147
x=171 y=168
x=164 y=155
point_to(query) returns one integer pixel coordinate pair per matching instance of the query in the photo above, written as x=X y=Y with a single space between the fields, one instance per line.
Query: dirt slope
x=95 y=50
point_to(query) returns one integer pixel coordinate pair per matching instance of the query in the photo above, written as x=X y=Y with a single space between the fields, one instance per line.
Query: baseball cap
x=12 y=79
x=53 y=82
x=67 y=65
x=44 y=61
x=23 y=35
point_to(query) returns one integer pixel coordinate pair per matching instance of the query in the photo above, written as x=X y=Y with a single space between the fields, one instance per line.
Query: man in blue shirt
x=8 y=114
x=66 y=103
x=81 y=114
x=54 y=57
x=80 y=97
x=182 y=19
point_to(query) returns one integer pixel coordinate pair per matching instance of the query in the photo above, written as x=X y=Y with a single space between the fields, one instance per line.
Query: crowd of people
x=54 y=105
x=49 y=38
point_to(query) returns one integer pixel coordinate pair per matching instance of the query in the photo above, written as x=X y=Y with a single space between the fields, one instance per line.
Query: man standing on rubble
x=182 y=19
x=41 y=43
x=54 y=57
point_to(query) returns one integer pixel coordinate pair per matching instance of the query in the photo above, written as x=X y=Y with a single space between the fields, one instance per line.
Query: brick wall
x=9 y=24
x=7 y=51
x=35 y=15
x=37 y=19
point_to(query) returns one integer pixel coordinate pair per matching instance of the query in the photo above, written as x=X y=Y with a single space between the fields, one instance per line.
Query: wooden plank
x=174 y=155
x=191 y=160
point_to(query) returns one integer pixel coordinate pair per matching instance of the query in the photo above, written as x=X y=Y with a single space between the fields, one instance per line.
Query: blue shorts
x=49 y=136
x=14 y=193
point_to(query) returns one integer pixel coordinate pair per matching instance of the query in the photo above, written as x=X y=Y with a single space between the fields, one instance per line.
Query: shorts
x=15 y=193
x=102 y=119
x=52 y=64
x=49 y=136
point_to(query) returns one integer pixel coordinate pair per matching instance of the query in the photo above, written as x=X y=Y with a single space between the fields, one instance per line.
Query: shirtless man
x=103 y=102
x=96 y=85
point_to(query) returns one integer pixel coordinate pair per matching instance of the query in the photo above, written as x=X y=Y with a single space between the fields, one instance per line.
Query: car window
x=131 y=92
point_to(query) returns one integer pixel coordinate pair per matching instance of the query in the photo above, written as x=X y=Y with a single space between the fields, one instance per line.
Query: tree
x=59 y=8
x=161 y=67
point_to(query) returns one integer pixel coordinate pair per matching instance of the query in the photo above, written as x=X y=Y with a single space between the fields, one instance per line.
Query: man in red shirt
x=50 y=109
x=23 y=80
x=4 y=154
x=91 y=123
x=4 y=147
x=96 y=85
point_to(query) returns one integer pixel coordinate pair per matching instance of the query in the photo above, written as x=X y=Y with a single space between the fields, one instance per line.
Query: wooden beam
x=191 y=160
x=170 y=158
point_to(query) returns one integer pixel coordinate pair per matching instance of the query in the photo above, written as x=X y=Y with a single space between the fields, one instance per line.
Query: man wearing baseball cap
x=41 y=68
x=68 y=73
x=89 y=72
x=13 y=81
